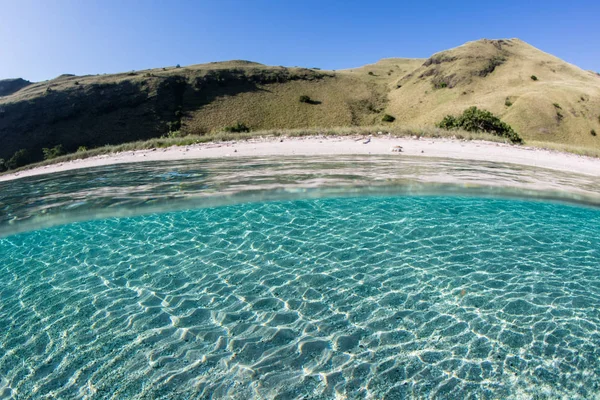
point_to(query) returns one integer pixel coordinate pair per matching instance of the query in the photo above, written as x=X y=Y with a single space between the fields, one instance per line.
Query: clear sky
x=45 y=38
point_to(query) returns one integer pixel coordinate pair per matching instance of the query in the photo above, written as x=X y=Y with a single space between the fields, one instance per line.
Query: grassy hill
x=562 y=105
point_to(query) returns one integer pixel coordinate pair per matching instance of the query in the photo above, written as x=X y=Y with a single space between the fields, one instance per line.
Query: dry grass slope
x=496 y=75
x=562 y=106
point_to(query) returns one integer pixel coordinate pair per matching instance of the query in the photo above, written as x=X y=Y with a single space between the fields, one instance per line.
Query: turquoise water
x=368 y=296
x=364 y=297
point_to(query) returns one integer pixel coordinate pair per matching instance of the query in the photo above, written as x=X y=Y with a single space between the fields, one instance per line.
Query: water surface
x=380 y=280
x=141 y=188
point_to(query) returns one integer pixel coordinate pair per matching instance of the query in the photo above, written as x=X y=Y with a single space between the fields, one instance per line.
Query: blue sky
x=42 y=39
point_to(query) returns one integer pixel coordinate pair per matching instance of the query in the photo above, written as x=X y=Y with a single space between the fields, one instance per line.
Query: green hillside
x=562 y=105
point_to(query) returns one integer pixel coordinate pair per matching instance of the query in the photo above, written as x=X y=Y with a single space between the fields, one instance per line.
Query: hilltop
x=542 y=97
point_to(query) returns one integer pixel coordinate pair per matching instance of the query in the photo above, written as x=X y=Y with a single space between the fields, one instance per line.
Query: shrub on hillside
x=3 y=166
x=592 y=132
x=173 y=126
x=175 y=134
x=388 y=118
x=442 y=82
x=237 y=128
x=507 y=102
x=556 y=105
x=308 y=100
x=82 y=149
x=476 y=120
x=19 y=159
x=534 y=78
x=50 y=153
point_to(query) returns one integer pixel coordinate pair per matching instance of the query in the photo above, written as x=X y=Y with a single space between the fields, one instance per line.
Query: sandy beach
x=315 y=145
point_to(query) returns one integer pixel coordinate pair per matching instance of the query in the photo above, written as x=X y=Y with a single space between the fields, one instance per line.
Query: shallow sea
x=308 y=278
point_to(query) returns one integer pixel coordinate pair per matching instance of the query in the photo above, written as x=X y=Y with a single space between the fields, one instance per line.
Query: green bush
x=175 y=134
x=534 y=78
x=237 y=128
x=19 y=159
x=507 y=102
x=476 y=120
x=371 y=73
x=592 y=132
x=173 y=126
x=3 y=166
x=50 y=153
x=556 y=105
x=81 y=149
x=441 y=82
x=388 y=118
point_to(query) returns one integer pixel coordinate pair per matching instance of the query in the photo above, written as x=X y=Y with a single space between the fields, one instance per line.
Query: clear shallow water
x=141 y=188
x=431 y=296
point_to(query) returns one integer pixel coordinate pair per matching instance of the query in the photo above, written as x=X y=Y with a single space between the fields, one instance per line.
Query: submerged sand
x=314 y=146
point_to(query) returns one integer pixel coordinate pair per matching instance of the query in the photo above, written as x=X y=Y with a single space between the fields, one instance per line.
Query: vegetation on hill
x=506 y=90
x=54 y=152
x=237 y=128
x=476 y=120
x=202 y=100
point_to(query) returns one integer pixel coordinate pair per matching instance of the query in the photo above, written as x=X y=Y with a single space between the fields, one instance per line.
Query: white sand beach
x=346 y=145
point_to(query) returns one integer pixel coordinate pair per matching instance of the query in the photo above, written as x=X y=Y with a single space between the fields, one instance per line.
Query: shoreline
x=475 y=150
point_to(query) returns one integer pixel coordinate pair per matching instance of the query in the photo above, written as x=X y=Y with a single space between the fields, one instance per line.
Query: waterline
x=144 y=188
